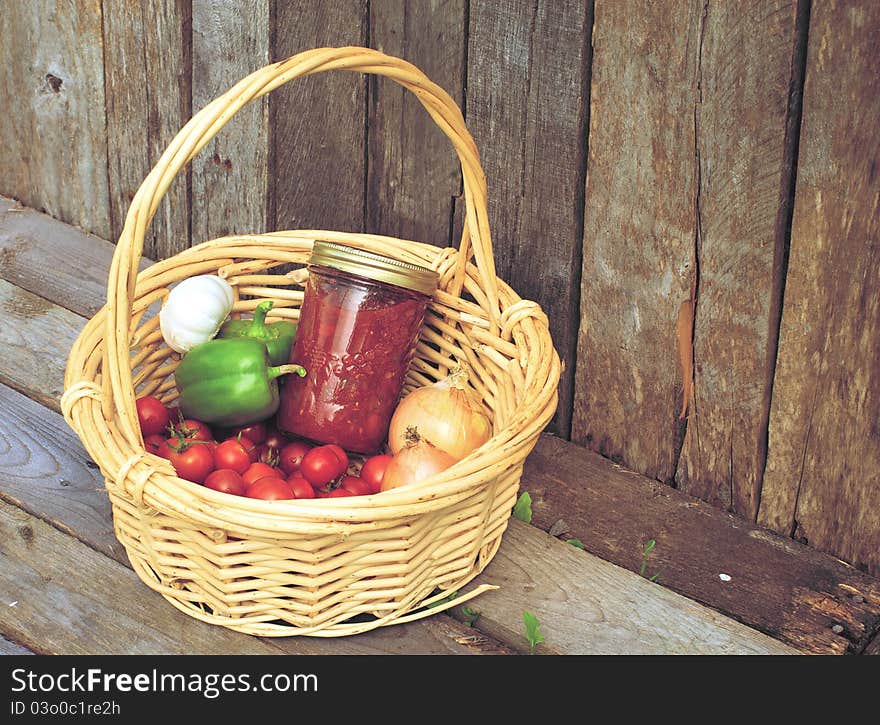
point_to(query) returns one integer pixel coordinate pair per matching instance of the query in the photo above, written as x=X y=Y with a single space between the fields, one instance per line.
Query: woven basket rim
x=157 y=485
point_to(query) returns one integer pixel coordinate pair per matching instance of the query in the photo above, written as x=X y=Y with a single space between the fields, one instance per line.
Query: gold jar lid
x=375 y=267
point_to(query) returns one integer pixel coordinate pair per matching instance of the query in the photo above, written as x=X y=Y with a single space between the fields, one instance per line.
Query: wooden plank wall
x=689 y=189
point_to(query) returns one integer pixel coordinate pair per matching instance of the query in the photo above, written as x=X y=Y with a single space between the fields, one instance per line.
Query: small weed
x=577 y=543
x=532 y=634
x=523 y=508
x=649 y=547
x=470 y=615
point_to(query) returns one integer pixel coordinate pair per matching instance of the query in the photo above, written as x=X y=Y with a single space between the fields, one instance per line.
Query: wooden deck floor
x=724 y=586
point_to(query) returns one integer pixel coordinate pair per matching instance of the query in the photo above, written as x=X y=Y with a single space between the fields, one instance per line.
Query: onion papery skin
x=443 y=414
x=415 y=462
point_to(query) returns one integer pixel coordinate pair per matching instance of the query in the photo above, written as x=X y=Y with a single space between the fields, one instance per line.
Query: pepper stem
x=262 y=309
x=278 y=370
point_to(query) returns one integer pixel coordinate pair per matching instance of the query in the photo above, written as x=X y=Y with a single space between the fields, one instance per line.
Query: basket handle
x=201 y=128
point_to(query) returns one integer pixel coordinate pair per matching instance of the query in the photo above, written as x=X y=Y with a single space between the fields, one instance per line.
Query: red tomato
x=300 y=487
x=291 y=455
x=275 y=439
x=156 y=444
x=255 y=432
x=153 y=416
x=192 y=461
x=170 y=444
x=340 y=453
x=339 y=493
x=258 y=470
x=270 y=488
x=356 y=485
x=193 y=430
x=322 y=464
x=227 y=481
x=374 y=469
x=234 y=453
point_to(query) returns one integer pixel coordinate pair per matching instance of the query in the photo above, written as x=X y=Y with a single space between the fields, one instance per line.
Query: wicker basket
x=322 y=567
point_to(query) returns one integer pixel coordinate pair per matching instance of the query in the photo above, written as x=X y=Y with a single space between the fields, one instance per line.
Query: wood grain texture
x=822 y=481
x=588 y=606
x=35 y=339
x=53 y=155
x=744 y=171
x=45 y=470
x=54 y=260
x=787 y=590
x=318 y=123
x=148 y=101
x=527 y=92
x=230 y=176
x=11 y=648
x=414 y=174
x=639 y=232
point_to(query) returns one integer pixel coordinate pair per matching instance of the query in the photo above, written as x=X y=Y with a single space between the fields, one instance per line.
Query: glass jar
x=358 y=328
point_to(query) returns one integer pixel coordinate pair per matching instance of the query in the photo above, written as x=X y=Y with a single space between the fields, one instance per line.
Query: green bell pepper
x=278 y=336
x=229 y=382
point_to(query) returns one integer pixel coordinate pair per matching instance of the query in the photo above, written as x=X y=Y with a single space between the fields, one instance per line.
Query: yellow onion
x=416 y=461
x=446 y=414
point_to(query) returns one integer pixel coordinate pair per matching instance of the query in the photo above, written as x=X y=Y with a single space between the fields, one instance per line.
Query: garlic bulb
x=194 y=311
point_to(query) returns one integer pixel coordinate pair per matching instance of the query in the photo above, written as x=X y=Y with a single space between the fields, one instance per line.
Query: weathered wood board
x=639 y=248
x=745 y=78
x=413 y=174
x=586 y=605
x=71 y=272
x=53 y=143
x=527 y=90
x=147 y=66
x=35 y=340
x=11 y=648
x=809 y=600
x=318 y=132
x=822 y=482
x=230 y=176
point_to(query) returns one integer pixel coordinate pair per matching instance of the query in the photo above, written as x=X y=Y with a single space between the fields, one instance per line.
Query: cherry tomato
x=192 y=461
x=192 y=429
x=339 y=452
x=322 y=464
x=258 y=470
x=255 y=432
x=356 y=485
x=156 y=444
x=339 y=493
x=300 y=487
x=234 y=453
x=168 y=445
x=374 y=469
x=270 y=488
x=275 y=439
x=153 y=416
x=290 y=456
x=227 y=481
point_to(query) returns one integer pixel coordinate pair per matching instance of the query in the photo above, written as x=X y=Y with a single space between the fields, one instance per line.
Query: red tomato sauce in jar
x=356 y=338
